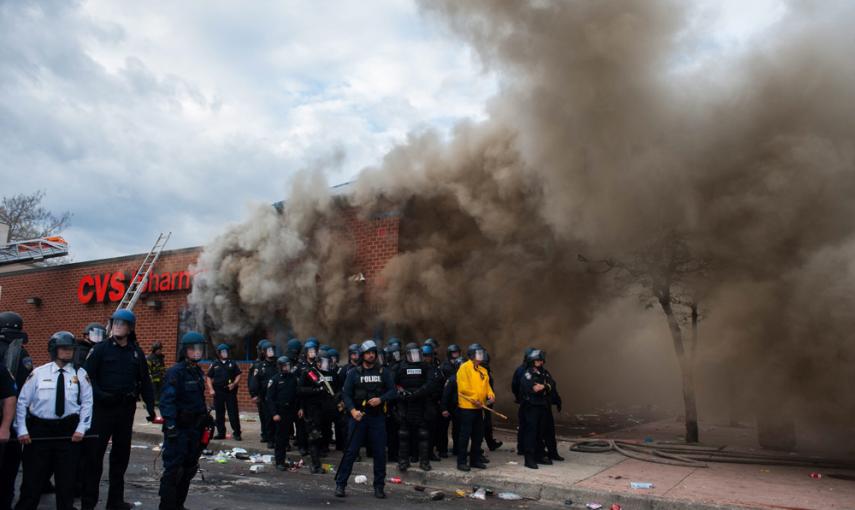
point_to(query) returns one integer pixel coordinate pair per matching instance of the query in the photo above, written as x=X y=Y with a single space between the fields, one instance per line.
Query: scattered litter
x=479 y=494
x=568 y=502
x=420 y=488
x=204 y=452
x=238 y=450
x=256 y=468
x=615 y=506
x=395 y=479
x=220 y=458
x=640 y=485
x=436 y=495
x=255 y=458
x=513 y=462
x=242 y=456
x=328 y=468
x=155 y=448
x=137 y=503
x=139 y=446
x=594 y=506
x=461 y=493
x=615 y=477
x=361 y=479
x=509 y=496
x=816 y=476
x=267 y=459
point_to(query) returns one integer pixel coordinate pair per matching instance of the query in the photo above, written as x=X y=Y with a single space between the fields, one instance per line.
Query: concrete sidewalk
x=602 y=478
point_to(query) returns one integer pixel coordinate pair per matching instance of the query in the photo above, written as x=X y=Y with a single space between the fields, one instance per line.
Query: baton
x=497 y=413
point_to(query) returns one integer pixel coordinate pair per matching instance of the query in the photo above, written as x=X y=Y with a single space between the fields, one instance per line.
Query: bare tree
x=28 y=219
x=670 y=275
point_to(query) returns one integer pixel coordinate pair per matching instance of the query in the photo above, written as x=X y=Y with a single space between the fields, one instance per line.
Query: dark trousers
x=520 y=429
x=45 y=458
x=283 y=432
x=471 y=435
x=373 y=427
x=488 y=429
x=11 y=461
x=264 y=419
x=108 y=422
x=340 y=431
x=225 y=400
x=547 y=433
x=158 y=387
x=533 y=420
x=393 y=426
x=87 y=460
x=180 y=464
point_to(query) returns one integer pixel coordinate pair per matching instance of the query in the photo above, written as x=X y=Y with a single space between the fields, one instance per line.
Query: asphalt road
x=231 y=486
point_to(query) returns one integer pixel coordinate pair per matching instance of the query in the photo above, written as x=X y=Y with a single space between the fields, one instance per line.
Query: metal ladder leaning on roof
x=141 y=278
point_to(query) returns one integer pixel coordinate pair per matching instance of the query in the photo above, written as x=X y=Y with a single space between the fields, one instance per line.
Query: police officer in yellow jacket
x=473 y=393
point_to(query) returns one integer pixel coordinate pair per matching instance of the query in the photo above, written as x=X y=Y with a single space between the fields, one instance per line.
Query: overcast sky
x=141 y=117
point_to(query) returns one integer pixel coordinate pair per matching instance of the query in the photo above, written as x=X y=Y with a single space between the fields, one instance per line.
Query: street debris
x=481 y=494
x=395 y=479
x=568 y=502
x=360 y=479
x=640 y=485
x=594 y=506
x=436 y=495
x=510 y=496
x=141 y=446
x=461 y=493
x=816 y=476
x=615 y=506
x=513 y=462
x=256 y=468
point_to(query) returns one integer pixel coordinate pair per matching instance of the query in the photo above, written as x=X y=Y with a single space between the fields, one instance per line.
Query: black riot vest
x=412 y=376
x=369 y=384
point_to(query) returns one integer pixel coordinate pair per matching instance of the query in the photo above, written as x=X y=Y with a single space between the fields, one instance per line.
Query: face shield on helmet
x=311 y=353
x=284 y=364
x=195 y=352
x=324 y=363
x=479 y=355
x=414 y=354
x=270 y=352
x=96 y=335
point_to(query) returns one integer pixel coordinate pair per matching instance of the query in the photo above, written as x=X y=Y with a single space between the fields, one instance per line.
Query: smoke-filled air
x=625 y=176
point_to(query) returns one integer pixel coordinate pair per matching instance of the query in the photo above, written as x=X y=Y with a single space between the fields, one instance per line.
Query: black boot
x=530 y=462
x=378 y=493
x=544 y=460
x=403 y=466
x=555 y=456
x=495 y=445
x=316 y=460
x=339 y=491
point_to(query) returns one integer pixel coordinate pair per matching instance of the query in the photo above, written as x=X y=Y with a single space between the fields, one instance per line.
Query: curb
x=540 y=492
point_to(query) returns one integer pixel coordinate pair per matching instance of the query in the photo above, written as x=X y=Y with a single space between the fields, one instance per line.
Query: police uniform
x=446 y=371
x=515 y=389
x=317 y=400
x=156 y=369
x=119 y=377
x=81 y=352
x=282 y=400
x=182 y=405
x=55 y=402
x=222 y=373
x=535 y=407
x=415 y=380
x=449 y=404
x=7 y=390
x=11 y=458
x=363 y=384
x=260 y=373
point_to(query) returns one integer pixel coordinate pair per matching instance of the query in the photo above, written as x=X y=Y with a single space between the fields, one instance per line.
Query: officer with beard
x=366 y=391
x=317 y=404
x=260 y=373
x=414 y=381
x=16 y=358
x=119 y=373
x=185 y=416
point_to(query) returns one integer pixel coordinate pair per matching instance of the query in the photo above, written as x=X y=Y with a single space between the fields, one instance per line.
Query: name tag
x=414 y=371
x=327 y=378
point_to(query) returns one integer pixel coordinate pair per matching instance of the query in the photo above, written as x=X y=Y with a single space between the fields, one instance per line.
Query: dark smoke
x=611 y=127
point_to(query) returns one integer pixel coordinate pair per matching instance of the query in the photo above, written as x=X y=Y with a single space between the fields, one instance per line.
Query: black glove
x=171 y=432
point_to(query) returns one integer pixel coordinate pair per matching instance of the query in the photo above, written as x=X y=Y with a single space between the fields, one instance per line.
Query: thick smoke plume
x=612 y=126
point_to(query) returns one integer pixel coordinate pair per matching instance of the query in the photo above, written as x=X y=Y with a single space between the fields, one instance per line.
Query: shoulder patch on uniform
x=528 y=375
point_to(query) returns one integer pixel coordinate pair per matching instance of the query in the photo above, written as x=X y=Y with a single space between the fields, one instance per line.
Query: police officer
x=282 y=405
x=447 y=369
x=515 y=389
x=414 y=380
x=492 y=443
x=450 y=410
x=93 y=334
x=8 y=400
x=366 y=391
x=223 y=379
x=474 y=392
x=156 y=368
x=548 y=443
x=293 y=349
x=54 y=411
x=17 y=360
x=535 y=392
x=392 y=358
x=317 y=404
x=185 y=416
x=119 y=373
x=262 y=370
x=340 y=422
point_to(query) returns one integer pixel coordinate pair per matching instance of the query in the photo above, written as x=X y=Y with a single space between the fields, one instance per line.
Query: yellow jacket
x=473 y=384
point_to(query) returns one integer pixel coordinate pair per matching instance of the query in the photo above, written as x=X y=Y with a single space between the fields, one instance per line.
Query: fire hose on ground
x=698 y=456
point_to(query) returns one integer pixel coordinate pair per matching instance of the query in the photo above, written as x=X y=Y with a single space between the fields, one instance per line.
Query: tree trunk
x=686 y=368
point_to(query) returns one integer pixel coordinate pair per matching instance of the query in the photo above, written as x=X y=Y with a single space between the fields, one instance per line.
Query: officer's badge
x=528 y=375
x=74 y=379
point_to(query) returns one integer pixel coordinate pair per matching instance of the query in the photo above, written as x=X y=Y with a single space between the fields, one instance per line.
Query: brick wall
x=376 y=241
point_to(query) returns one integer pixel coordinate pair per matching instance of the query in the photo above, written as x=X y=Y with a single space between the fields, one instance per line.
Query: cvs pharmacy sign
x=105 y=287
